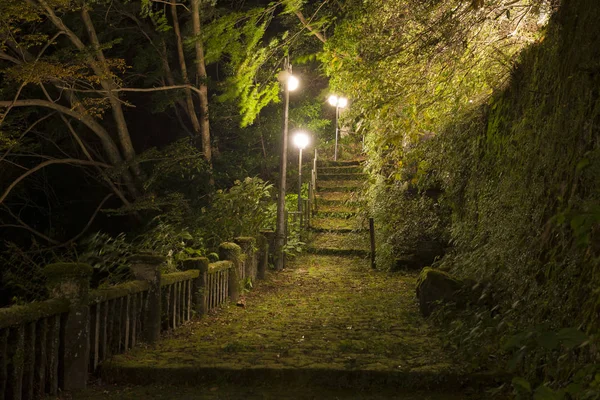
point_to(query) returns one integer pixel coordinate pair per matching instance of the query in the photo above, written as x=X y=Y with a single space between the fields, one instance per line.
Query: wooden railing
x=51 y=346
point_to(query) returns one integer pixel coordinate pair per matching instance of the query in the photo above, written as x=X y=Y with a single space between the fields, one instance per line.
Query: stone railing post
x=232 y=252
x=71 y=281
x=270 y=236
x=262 y=256
x=248 y=245
x=199 y=285
x=146 y=267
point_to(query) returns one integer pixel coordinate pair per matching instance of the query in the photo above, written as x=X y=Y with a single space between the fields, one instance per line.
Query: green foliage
x=405 y=219
x=497 y=120
x=157 y=16
x=239 y=37
x=109 y=258
x=241 y=210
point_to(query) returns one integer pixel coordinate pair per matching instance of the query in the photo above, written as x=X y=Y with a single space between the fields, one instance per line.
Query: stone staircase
x=337 y=227
x=326 y=327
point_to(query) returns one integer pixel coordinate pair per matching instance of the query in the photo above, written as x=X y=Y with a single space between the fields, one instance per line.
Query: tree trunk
x=191 y=111
x=202 y=81
x=115 y=102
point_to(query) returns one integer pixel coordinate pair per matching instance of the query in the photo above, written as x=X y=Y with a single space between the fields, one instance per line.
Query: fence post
x=146 y=267
x=71 y=281
x=372 y=237
x=263 y=244
x=248 y=245
x=199 y=284
x=306 y=211
x=232 y=252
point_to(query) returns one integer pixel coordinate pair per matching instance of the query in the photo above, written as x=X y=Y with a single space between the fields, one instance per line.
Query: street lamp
x=290 y=83
x=301 y=140
x=337 y=102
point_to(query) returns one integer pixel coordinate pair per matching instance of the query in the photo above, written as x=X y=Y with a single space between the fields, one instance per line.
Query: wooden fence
x=53 y=345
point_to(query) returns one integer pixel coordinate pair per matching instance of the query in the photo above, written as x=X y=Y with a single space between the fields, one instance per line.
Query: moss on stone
x=219 y=266
x=114 y=292
x=17 y=315
x=245 y=239
x=434 y=287
x=230 y=251
x=169 y=279
x=199 y=263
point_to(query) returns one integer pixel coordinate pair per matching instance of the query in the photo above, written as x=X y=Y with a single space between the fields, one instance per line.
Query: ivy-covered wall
x=522 y=177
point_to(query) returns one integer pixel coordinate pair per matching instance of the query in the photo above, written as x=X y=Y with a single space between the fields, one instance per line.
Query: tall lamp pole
x=337 y=102
x=290 y=83
x=301 y=140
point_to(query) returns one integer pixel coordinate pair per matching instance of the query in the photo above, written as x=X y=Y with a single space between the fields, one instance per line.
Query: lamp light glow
x=292 y=83
x=333 y=100
x=301 y=140
x=342 y=102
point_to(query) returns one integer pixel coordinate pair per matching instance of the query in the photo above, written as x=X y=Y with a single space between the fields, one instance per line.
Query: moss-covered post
x=232 y=252
x=248 y=245
x=146 y=267
x=262 y=257
x=199 y=284
x=270 y=235
x=71 y=281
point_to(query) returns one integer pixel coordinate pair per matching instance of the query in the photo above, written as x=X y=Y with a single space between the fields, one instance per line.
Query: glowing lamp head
x=333 y=100
x=292 y=83
x=301 y=140
x=340 y=102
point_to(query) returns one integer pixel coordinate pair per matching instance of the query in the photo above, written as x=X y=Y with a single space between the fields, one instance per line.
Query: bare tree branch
x=85 y=228
x=166 y=2
x=8 y=57
x=45 y=164
x=155 y=89
x=308 y=26
x=25 y=133
x=109 y=145
x=23 y=225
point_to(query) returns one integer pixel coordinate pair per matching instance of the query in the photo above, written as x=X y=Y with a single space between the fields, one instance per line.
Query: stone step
x=339 y=186
x=340 y=209
x=349 y=163
x=341 y=177
x=280 y=390
x=332 y=251
x=441 y=380
x=334 y=214
x=352 y=169
x=332 y=198
x=349 y=244
x=330 y=224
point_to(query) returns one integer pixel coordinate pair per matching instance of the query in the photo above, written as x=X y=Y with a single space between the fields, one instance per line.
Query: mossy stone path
x=326 y=327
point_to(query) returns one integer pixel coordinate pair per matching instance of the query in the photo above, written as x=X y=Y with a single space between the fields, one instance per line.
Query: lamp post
x=337 y=102
x=290 y=83
x=301 y=140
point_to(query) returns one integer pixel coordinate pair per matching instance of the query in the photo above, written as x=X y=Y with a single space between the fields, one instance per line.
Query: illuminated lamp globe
x=333 y=100
x=292 y=83
x=342 y=102
x=301 y=140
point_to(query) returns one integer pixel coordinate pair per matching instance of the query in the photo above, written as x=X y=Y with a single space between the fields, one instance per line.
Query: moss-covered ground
x=337 y=224
x=234 y=392
x=348 y=243
x=326 y=327
x=322 y=312
x=337 y=198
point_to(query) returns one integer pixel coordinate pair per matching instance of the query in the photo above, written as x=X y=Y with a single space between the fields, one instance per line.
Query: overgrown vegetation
x=482 y=129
